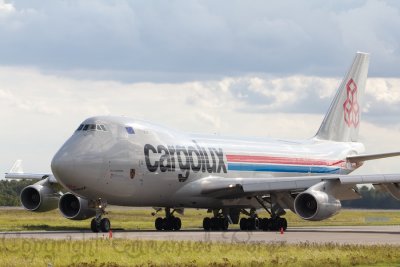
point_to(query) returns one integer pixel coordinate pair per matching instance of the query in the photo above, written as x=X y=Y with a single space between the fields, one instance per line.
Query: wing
x=16 y=172
x=220 y=187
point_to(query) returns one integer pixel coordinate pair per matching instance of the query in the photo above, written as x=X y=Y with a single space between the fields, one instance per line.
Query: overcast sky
x=254 y=68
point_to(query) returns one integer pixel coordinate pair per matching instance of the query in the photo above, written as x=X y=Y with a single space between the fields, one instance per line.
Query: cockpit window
x=92 y=127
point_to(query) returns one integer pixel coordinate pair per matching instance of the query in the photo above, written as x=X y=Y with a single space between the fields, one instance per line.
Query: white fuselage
x=135 y=163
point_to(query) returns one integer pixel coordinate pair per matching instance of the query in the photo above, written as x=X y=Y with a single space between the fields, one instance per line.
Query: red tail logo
x=351 y=107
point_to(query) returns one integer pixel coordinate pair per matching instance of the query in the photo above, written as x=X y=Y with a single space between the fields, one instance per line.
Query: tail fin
x=342 y=121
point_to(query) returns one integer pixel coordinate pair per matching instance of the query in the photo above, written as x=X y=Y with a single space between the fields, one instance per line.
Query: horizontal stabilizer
x=17 y=167
x=17 y=172
x=362 y=158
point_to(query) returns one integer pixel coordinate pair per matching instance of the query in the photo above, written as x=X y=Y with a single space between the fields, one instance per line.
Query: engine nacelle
x=75 y=208
x=315 y=204
x=39 y=197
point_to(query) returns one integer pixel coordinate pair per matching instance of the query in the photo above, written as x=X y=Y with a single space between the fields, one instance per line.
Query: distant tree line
x=10 y=190
x=371 y=198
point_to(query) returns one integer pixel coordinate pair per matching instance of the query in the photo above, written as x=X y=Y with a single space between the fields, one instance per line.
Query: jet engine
x=316 y=203
x=75 y=208
x=39 y=197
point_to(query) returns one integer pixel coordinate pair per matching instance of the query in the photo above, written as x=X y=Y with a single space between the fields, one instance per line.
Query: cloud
x=197 y=40
x=6 y=8
x=232 y=68
x=40 y=111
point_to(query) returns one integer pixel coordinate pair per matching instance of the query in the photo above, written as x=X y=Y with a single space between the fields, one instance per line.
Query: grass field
x=134 y=219
x=119 y=252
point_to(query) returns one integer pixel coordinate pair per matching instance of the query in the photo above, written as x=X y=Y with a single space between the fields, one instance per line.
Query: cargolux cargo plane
x=127 y=162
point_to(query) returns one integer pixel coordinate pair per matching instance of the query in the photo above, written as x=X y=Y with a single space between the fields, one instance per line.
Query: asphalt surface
x=363 y=235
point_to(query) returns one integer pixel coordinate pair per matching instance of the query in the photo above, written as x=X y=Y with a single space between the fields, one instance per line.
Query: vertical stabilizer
x=342 y=122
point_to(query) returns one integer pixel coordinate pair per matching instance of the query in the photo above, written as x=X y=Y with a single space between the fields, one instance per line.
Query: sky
x=242 y=68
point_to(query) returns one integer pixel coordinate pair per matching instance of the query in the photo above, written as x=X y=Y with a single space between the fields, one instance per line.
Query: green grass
x=119 y=252
x=134 y=219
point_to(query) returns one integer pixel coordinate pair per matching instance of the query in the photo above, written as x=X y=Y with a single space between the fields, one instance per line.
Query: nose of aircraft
x=63 y=165
x=79 y=162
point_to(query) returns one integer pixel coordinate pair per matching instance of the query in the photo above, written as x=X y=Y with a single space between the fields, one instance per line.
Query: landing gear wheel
x=176 y=223
x=207 y=224
x=94 y=226
x=282 y=223
x=167 y=224
x=214 y=224
x=159 y=223
x=224 y=224
x=263 y=224
x=105 y=225
x=243 y=224
x=252 y=224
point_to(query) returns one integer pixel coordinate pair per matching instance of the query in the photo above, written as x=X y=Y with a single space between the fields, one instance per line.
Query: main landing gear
x=275 y=223
x=169 y=222
x=265 y=224
x=218 y=222
x=99 y=224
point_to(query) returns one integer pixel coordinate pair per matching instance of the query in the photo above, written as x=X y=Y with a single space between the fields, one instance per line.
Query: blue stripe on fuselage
x=280 y=168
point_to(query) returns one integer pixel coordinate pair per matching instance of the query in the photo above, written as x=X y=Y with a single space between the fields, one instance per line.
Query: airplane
x=121 y=161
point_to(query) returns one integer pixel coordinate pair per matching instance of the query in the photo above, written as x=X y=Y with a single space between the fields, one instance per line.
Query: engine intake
x=39 y=197
x=75 y=208
x=315 y=204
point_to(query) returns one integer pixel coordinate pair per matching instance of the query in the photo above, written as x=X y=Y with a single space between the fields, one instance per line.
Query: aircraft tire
x=215 y=224
x=282 y=223
x=263 y=224
x=158 y=223
x=243 y=224
x=105 y=225
x=167 y=224
x=252 y=224
x=224 y=224
x=177 y=224
x=94 y=226
x=207 y=224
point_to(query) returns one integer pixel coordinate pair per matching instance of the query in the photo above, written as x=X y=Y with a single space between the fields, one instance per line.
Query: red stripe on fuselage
x=282 y=160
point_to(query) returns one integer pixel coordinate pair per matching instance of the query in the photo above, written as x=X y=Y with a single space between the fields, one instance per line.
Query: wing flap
x=241 y=187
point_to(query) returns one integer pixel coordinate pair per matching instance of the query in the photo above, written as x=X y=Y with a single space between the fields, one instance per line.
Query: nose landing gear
x=99 y=224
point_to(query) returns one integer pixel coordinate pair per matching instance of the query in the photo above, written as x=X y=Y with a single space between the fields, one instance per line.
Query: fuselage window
x=80 y=127
x=92 y=127
x=98 y=127
x=103 y=127
x=130 y=130
x=85 y=128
